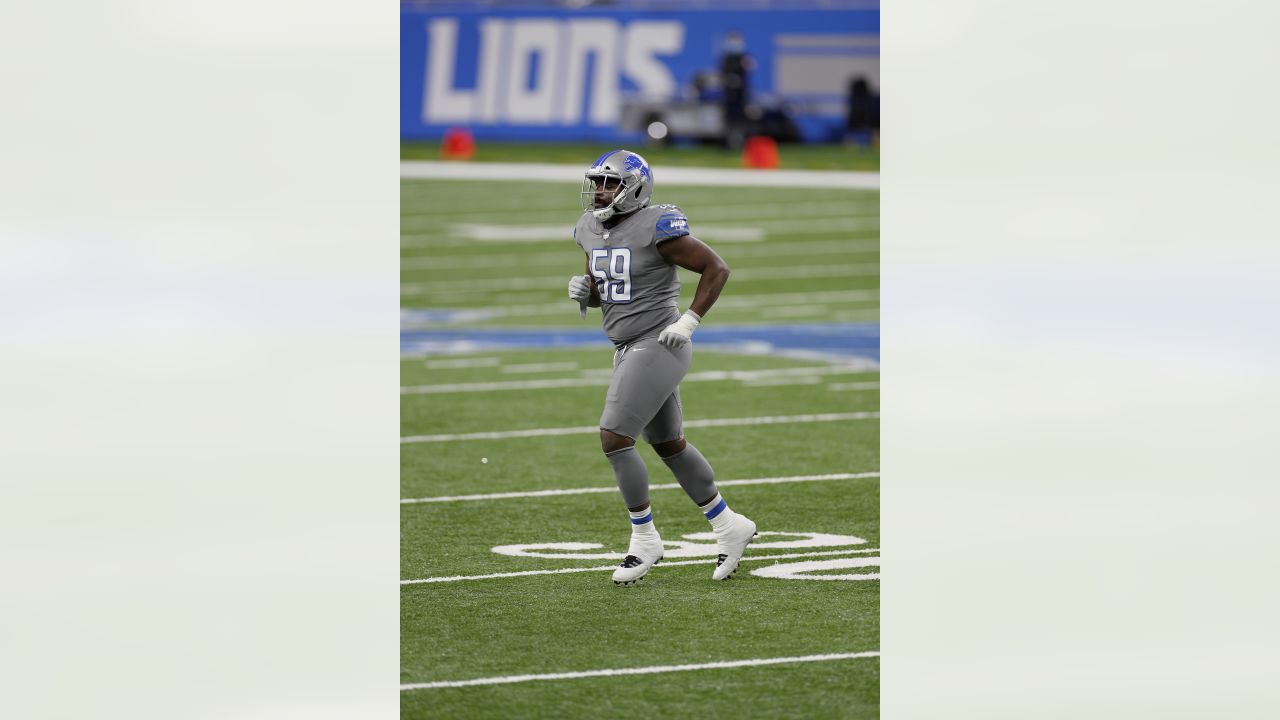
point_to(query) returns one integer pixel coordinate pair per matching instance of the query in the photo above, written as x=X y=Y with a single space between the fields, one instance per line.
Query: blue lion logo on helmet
x=634 y=162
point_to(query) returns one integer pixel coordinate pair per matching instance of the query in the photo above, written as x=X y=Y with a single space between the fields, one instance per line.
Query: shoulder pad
x=671 y=223
x=584 y=221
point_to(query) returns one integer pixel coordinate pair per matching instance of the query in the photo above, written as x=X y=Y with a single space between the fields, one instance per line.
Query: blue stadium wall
x=561 y=75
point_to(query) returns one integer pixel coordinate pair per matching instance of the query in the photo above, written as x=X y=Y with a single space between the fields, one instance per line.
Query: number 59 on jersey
x=613 y=276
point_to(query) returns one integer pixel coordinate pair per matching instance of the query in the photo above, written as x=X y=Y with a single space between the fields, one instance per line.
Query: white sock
x=717 y=512
x=642 y=522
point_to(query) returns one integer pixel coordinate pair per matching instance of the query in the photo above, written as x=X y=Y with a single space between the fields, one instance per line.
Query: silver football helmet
x=622 y=169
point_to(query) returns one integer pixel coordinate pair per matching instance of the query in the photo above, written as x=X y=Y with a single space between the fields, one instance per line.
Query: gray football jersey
x=639 y=290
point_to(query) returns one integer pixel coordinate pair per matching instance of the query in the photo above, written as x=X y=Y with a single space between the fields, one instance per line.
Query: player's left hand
x=680 y=332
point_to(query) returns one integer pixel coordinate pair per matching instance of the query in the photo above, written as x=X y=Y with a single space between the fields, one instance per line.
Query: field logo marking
x=702 y=545
x=611 y=568
x=803 y=570
x=679 y=548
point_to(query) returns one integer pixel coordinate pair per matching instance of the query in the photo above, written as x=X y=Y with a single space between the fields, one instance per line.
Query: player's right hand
x=579 y=288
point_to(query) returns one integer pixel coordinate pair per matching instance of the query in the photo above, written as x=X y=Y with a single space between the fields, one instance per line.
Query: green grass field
x=486 y=256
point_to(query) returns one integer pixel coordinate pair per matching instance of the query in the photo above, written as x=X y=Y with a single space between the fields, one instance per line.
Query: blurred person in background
x=862 y=121
x=633 y=250
x=735 y=69
x=706 y=87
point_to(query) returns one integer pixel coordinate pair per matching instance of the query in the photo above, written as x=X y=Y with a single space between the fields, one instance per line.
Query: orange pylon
x=457 y=145
x=760 y=152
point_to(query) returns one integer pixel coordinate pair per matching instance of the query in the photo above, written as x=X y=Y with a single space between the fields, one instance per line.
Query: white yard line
x=867 y=315
x=603 y=377
x=737 y=212
x=520 y=226
x=475 y=262
x=697 y=210
x=662 y=486
x=602 y=568
x=822 y=296
x=792 y=311
x=477 y=197
x=548 y=282
x=438 y=202
x=463 y=363
x=563 y=232
x=539 y=367
x=546 y=384
x=854 y=386
x=653 y=669
x=752 y=301
x=775 y=382
x=558 y=258
x=722 y=234
x=572 y=175
x=809 y=247
x=804 y=271
x=589 y=429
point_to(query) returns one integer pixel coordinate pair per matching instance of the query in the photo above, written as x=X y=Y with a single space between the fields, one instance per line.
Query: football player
x=633 y=249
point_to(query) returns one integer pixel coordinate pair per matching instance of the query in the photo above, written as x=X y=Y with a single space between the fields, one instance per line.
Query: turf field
x=510 y=524
x=790 y=156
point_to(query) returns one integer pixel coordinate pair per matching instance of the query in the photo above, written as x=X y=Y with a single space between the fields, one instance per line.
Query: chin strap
x=607 y=211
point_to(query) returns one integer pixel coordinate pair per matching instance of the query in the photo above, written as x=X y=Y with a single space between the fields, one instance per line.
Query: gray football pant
x=644 y=394
x=644 y=399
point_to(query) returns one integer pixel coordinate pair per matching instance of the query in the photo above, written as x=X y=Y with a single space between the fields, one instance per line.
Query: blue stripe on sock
x=716 y=510
x=643 y=520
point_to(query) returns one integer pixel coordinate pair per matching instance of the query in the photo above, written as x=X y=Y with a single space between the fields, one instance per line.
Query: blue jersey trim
x=671 y=225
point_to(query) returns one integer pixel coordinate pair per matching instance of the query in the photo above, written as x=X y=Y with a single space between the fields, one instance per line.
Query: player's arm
x=691 y=253
x=594 y=301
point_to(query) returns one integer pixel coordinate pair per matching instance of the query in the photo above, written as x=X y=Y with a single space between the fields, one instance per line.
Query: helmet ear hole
x=636 y=194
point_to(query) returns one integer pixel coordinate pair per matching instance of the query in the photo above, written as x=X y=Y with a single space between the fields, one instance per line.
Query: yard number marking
x=704 y=545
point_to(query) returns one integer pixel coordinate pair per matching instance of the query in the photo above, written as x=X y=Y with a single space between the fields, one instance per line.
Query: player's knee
x=613 y=442
x=669 y=448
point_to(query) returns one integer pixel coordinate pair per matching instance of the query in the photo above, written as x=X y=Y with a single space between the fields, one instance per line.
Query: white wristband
x=689 y=321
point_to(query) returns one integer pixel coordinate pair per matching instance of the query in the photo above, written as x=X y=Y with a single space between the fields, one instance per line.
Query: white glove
x=579 y=288
x=678 y=333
